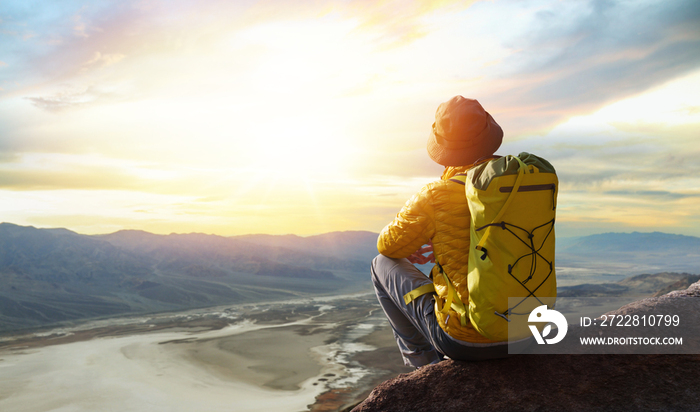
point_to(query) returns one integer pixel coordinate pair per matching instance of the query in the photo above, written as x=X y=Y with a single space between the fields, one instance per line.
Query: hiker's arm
x=412 y=228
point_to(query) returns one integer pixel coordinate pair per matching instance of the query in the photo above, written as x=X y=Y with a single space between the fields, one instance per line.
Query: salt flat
x=132 y=373
x=275 y=357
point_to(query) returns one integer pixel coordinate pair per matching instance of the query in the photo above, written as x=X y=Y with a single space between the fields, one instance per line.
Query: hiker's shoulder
x=435 y=194
x=430 y=190
x=446 y=183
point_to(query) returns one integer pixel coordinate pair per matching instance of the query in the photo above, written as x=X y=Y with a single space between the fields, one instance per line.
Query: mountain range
x=50 y=276
x=657 y=242
x=666 y=252
x=56 y=275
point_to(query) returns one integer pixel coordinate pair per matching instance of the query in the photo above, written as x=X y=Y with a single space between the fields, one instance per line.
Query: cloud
x=74 y=99
x=69 y=37
x=63 y=180
x=7 y=157
x=398 y=23
x=103 y=60
x=636 y=173
x=577 y=60
x=56 y=172
x=634 y=163
x=203 y=81
x=655 y=194
x=80 y=27
x=58 y=102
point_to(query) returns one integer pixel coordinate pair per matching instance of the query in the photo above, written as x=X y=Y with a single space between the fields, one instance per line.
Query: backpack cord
x=534 y=253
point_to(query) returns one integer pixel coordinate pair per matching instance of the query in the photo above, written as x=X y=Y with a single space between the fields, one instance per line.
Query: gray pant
x=420 y=338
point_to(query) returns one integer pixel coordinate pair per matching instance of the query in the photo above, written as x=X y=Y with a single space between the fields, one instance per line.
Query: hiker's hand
x=418 y=256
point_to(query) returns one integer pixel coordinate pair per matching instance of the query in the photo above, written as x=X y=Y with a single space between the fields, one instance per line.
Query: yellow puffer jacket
x=438 y=212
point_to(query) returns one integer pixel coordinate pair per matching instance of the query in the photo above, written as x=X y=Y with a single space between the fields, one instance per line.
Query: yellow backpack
x=512 y=201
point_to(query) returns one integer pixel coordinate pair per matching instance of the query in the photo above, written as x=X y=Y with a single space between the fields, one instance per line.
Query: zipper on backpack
x=528 y=188
x=531 y=188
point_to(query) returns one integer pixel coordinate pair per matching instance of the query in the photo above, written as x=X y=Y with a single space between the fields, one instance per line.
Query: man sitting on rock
x=463 y=136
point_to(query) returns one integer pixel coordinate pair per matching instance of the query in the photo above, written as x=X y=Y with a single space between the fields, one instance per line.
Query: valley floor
x=319 y=354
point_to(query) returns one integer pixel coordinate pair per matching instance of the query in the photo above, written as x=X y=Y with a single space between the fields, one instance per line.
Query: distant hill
x=649 y=252
x=55 y=275
x=360 y=245
x=680 y=284
x=640 y=285
x=654 y=242
x=176 y=251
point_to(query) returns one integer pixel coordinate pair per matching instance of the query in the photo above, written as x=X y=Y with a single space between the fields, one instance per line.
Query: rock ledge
x=553 y=382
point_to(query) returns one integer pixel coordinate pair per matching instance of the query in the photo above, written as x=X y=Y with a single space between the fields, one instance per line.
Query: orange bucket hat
x=463 y=133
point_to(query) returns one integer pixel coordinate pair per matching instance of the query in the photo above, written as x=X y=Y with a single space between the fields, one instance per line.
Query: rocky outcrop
x=554 y=382
x=683 y=283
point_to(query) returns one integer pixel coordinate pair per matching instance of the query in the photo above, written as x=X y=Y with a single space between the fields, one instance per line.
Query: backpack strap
x=419 y=291
x=460 y=178
x=451 y=302
x=522 y=170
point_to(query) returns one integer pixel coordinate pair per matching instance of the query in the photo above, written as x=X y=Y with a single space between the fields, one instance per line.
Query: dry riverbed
x=316 y=354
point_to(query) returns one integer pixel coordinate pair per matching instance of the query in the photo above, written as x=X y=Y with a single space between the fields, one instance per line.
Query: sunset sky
x=235 y=117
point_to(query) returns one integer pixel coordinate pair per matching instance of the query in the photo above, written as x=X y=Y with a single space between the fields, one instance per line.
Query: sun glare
x=300 y=148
